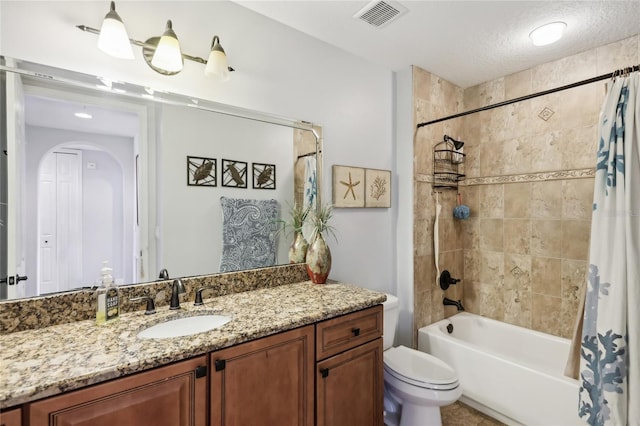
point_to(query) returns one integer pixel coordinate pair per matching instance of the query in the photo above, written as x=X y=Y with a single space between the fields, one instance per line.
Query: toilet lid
x=419 y=368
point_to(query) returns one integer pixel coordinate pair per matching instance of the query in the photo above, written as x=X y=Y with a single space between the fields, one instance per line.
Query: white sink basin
x=184 y=326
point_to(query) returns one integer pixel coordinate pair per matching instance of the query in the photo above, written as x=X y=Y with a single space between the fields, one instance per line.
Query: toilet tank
x=390 y=318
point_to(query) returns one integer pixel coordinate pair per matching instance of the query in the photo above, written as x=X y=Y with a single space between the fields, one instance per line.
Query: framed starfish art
x=348 y=186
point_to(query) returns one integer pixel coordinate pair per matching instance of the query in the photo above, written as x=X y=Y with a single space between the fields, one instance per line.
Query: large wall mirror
x=96 y=170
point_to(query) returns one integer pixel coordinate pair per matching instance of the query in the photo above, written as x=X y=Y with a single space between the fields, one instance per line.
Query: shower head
x=456 y=144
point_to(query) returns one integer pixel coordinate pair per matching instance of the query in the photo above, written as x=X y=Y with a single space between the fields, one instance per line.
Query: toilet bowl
x=416 y=384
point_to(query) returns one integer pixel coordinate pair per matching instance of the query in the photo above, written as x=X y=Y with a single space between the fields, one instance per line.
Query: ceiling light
x=168 y=55
x=217 y=62
x=547 y=34
x=83 y=114
x=113 y=38
x=162 y=54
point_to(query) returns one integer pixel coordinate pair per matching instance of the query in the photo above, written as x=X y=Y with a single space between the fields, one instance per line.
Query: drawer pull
x=324 y=372
x=355 y=331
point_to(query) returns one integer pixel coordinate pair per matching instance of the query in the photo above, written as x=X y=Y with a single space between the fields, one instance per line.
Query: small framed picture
x=264 y=176
x=378 y=190
x=348 y=186
x=201 y=171
x=234 y=173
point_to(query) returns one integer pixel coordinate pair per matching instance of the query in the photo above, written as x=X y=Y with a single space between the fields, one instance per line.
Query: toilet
x=416 y=384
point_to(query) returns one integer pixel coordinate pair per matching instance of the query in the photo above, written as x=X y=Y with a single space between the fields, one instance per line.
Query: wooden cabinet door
x=265 y=382
x=11 y=417
x=174 y=395
x=349 y=387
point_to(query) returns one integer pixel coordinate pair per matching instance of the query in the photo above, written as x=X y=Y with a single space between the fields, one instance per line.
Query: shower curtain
x=610 y=349
x=309 y=197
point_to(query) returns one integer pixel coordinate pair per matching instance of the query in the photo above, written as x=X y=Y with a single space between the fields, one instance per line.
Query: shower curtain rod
x=534 y=95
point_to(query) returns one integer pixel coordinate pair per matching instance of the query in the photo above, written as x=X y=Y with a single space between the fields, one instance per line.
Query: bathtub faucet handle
x=446 y=280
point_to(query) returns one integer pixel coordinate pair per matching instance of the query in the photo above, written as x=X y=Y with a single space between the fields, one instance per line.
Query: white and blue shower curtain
x=610 y=348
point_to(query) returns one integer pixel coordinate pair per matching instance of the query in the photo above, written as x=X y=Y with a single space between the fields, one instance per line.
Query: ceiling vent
x=379 y=13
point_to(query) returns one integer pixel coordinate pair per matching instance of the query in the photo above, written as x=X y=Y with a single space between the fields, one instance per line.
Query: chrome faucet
x=448 y=302
x=177 y=288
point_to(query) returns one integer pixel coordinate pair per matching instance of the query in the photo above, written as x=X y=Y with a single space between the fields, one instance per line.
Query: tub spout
x=448 y=302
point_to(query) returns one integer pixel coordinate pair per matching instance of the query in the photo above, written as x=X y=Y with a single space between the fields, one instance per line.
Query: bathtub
x=507 y=372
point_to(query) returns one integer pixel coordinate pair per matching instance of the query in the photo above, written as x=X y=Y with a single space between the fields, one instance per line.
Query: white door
x=60 y=221
x=16 y=231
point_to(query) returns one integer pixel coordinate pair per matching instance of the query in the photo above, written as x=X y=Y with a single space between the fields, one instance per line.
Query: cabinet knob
x=220 y=364
x=355 y=331
x=324 y=372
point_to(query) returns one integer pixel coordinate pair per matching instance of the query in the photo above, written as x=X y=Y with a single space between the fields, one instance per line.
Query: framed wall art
x=264 y=176
x=201 y=171
x=234 y=174
x=348 y=186
x=378 y=190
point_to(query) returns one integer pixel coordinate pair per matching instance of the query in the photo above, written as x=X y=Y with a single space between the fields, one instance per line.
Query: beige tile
x=423 y=237
x=471 y=266
x=423 y=272
x=471 y=97
x=577 y=198
x=568 y=317
x=450 y=235
x=517 y=236
x=424 y=206
x=492 y=301
x=618 y=55
x=471 y=298
x=546 y=199
x=517 y=272
x=546 y=238
x=491 y=200
x=491 y=234
x=546 y=276
x=518 y=84
x=575 y=239
x=471 y=233
x=469 y=196
x=517 y=200
x=422 y=153
x=423 y=304
x=546 y=155
x=545 y=311
x=492 y=268
x=517 y=307
x=574 y=278
x=491 y=163
x=517 y=155
x=421 y=83
x=578 y=147
x=564 y=71
x=472 y=160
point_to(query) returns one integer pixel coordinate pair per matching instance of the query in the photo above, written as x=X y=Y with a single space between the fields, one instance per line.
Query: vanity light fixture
x=548 y=33
x=162 y=54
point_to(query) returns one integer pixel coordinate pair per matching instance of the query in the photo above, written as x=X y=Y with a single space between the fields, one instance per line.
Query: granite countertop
x=38 y=363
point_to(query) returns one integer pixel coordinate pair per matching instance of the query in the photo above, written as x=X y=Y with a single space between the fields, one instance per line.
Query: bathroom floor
x=458 y=414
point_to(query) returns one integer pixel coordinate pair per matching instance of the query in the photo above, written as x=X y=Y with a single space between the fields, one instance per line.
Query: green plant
x=297 y=217
x=320 y=219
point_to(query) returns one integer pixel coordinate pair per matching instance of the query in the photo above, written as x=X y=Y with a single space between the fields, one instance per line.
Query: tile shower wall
x=523 y=253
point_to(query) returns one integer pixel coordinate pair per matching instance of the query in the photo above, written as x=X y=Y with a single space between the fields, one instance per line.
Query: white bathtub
x=508 y=372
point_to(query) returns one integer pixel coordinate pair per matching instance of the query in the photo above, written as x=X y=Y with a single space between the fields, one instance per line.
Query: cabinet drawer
x=11 y=417
x=348 y=331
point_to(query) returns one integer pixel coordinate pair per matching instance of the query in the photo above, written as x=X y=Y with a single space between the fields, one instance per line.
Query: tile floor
x=458 y=414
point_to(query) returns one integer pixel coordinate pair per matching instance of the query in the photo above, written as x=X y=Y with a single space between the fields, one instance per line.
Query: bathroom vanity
x=299 y=354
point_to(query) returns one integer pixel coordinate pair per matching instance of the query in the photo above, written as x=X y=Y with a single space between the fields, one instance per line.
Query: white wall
x=279 y=70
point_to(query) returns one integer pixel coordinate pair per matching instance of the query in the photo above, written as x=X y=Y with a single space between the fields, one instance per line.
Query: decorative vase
x=318 y=260
x=298 y=248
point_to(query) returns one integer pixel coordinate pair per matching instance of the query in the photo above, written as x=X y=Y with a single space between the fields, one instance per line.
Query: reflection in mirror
x=99 y=170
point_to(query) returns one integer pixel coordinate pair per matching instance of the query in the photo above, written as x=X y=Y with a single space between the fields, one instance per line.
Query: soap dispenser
x=108 y=307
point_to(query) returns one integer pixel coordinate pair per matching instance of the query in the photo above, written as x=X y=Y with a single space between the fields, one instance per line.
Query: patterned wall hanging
x=348 y=186
x=202 y=171
x=234 y=174
x=378 y=190
x=264 y=176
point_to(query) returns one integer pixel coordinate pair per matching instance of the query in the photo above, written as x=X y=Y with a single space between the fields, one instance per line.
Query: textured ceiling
x=466 y=42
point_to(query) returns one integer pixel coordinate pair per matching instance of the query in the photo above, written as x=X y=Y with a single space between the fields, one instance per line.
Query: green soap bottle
x=108 y=307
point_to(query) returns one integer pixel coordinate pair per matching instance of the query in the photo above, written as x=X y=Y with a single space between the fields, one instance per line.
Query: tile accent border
x=527 y=177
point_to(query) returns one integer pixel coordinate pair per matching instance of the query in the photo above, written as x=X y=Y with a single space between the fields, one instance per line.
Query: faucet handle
x=446 y=280
x=151 y=306
x=198 y=301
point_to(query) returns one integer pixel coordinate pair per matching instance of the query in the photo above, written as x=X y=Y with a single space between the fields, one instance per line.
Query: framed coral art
x=201 y=171
x=348 y=186
x=378 y=190
x=264 y=176
x=234 y=174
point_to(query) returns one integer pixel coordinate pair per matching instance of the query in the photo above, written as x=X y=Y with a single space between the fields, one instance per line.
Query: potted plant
x=297 y=217
x=318 y=254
